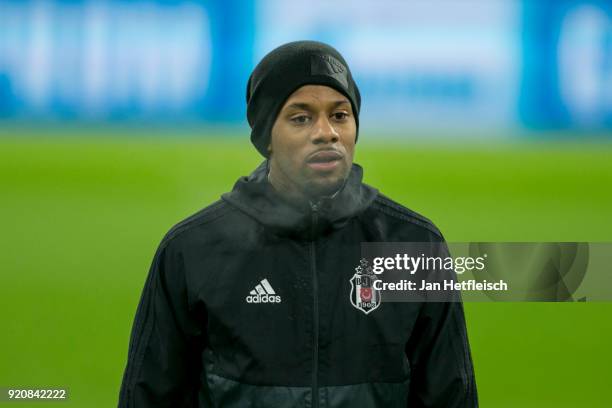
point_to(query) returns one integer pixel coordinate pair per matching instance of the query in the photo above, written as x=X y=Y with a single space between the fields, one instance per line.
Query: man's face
x=313 y=141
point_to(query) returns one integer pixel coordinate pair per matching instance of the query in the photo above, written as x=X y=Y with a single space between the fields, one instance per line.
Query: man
x=248 y=302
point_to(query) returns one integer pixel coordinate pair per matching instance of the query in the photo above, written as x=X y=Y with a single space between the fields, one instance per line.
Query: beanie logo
x=321 y=64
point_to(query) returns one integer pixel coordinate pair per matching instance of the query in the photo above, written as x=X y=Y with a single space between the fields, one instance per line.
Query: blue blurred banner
x=439 y=64
x=567 y=65
x=115 y=60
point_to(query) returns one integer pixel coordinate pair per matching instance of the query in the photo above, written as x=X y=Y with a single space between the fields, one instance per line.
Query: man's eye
x=340 y=115
x=300 y=120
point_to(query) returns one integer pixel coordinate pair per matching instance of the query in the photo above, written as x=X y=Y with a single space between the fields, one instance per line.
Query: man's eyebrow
x=299 y=105
x=307 y=106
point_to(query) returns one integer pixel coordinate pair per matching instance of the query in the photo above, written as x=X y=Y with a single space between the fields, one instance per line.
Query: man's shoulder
x=210 y=214
x=391 y=208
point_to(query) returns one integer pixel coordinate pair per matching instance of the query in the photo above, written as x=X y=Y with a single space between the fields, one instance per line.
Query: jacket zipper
x=315 y=304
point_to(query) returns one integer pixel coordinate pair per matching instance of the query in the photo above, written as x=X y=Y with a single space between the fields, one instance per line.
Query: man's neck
x=296 y=196
x=288 y=191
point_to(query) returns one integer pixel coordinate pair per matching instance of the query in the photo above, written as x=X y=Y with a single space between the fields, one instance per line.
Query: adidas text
x=263 y=299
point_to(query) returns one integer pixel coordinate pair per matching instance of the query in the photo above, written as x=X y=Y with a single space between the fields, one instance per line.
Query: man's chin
x=324 y=188
x=324 y=184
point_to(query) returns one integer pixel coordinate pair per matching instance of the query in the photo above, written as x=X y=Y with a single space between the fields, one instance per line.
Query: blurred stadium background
x=119 y=118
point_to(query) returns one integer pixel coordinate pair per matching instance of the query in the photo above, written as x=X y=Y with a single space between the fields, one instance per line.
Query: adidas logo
x=263 y=293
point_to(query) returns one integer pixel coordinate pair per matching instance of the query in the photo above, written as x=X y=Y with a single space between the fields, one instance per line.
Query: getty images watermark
x=482 y=271
x=432 y=264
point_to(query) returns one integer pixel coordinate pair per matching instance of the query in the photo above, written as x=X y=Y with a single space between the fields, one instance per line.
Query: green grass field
x=82 y=216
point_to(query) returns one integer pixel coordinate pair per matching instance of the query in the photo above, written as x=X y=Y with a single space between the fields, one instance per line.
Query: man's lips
x=324 y=159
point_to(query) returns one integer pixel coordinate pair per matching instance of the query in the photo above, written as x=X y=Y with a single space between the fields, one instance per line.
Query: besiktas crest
x=363 y=295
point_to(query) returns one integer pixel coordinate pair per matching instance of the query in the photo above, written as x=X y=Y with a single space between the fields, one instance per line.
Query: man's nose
x=324 y=131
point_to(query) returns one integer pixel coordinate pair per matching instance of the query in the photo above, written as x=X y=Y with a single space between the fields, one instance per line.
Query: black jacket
x=247 y=305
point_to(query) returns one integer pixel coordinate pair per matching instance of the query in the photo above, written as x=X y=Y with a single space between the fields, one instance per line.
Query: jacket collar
x=255 y=196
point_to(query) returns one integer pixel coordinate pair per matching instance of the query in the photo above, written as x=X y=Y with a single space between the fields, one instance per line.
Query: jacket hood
x=255 y=196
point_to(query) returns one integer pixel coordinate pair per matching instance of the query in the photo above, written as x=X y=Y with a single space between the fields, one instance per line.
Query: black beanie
x=283 y=71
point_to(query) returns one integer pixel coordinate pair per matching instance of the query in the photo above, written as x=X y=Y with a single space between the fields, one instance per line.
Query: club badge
x=363 y=295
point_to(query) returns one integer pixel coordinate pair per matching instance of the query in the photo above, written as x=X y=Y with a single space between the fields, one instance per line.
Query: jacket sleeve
x=442 y=373
x=163 y=366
